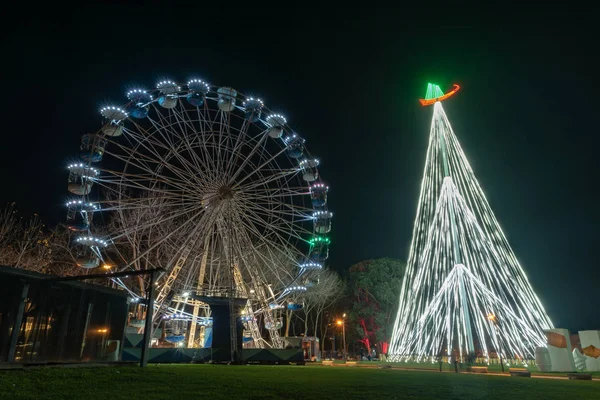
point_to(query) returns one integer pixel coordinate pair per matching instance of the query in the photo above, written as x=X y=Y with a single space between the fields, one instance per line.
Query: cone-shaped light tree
x=464 y=289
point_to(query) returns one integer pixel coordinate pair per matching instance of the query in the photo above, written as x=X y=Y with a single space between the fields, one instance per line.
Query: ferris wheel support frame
x=196 y=311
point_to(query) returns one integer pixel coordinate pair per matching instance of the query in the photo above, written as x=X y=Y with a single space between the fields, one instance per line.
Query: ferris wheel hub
x=225 y=192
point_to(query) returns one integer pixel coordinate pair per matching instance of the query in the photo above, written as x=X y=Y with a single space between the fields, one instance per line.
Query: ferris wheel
x=214 y=188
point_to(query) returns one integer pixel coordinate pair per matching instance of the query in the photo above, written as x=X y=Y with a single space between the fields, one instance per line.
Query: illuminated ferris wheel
x=211 y=186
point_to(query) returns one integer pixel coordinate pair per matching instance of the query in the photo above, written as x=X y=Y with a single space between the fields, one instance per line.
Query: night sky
x=348 y=80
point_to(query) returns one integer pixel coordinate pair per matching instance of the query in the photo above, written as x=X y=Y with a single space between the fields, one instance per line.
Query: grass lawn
x=277 y=382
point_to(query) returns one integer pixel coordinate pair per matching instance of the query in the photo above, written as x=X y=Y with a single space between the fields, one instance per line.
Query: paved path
x=505 y=374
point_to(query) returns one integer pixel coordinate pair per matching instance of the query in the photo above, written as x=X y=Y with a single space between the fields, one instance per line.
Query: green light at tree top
x=433 y=91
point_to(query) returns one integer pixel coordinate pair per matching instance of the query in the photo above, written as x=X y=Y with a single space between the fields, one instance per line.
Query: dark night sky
x=348 y=80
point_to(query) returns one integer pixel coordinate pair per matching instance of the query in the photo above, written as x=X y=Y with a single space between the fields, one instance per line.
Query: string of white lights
x=463 y=289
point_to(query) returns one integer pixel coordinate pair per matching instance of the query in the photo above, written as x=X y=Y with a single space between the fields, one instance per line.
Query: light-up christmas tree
x=464 y=289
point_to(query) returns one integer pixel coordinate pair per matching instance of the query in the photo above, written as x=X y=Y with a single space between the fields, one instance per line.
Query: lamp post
x=342 y=323
x=494 y=321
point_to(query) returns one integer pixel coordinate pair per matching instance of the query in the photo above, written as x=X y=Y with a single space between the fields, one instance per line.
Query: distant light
x=106 y=266
x=186 y=294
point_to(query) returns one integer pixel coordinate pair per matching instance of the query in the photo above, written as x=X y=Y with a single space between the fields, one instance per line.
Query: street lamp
x=342 y=323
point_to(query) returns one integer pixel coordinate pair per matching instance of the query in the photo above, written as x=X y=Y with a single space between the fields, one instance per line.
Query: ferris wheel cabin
x=253 y=109
x=113 y=113
x=318 y=194
x=295 y=145
x=275 y=122
x=322 y=221
x=168 y=90
x=198 y=91
x=226 y=100
x=92 y=147
x=87 y=249
x=310 y=173
x=79 y=215
x=112 y=129
x=319 y=248
x=139 y=103
x=81 y=178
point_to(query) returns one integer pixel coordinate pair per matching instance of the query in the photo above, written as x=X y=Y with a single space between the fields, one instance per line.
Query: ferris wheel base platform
x=207 y=355
x=220 y=350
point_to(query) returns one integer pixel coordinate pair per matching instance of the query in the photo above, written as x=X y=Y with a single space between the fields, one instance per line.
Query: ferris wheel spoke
x=154 y=179
x=224 y=122
x=275 y=264
x=206 y=134
x=255 y=219
x=110 y=186
x=166 y=237
x=279 y=226
x=263 y=252
x=111 y=206
x=266 y=179
x=187 y=129
x=141 y=159
x=185 y=121
x=260 y=194
x=279 y=209
x=168 y=134
x=165 y=217
x=240 y=143
x=172 y=148
x=285 y=221
x=247 y=159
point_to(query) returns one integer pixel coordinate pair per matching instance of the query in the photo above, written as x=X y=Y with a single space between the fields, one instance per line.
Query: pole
x=148 y=325
x=497 y=330
x=344 y=338
x=85 y=328
x=333 y=341
x=14 y=336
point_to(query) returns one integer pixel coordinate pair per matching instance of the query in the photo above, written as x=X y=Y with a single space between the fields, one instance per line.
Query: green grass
x=277 y=382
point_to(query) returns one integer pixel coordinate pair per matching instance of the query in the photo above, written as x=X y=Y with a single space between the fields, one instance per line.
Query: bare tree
x=23 y=243
x=63 y=254
x=9 y=223
x=31 y=246
x=139 y=242
x=323 y=296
